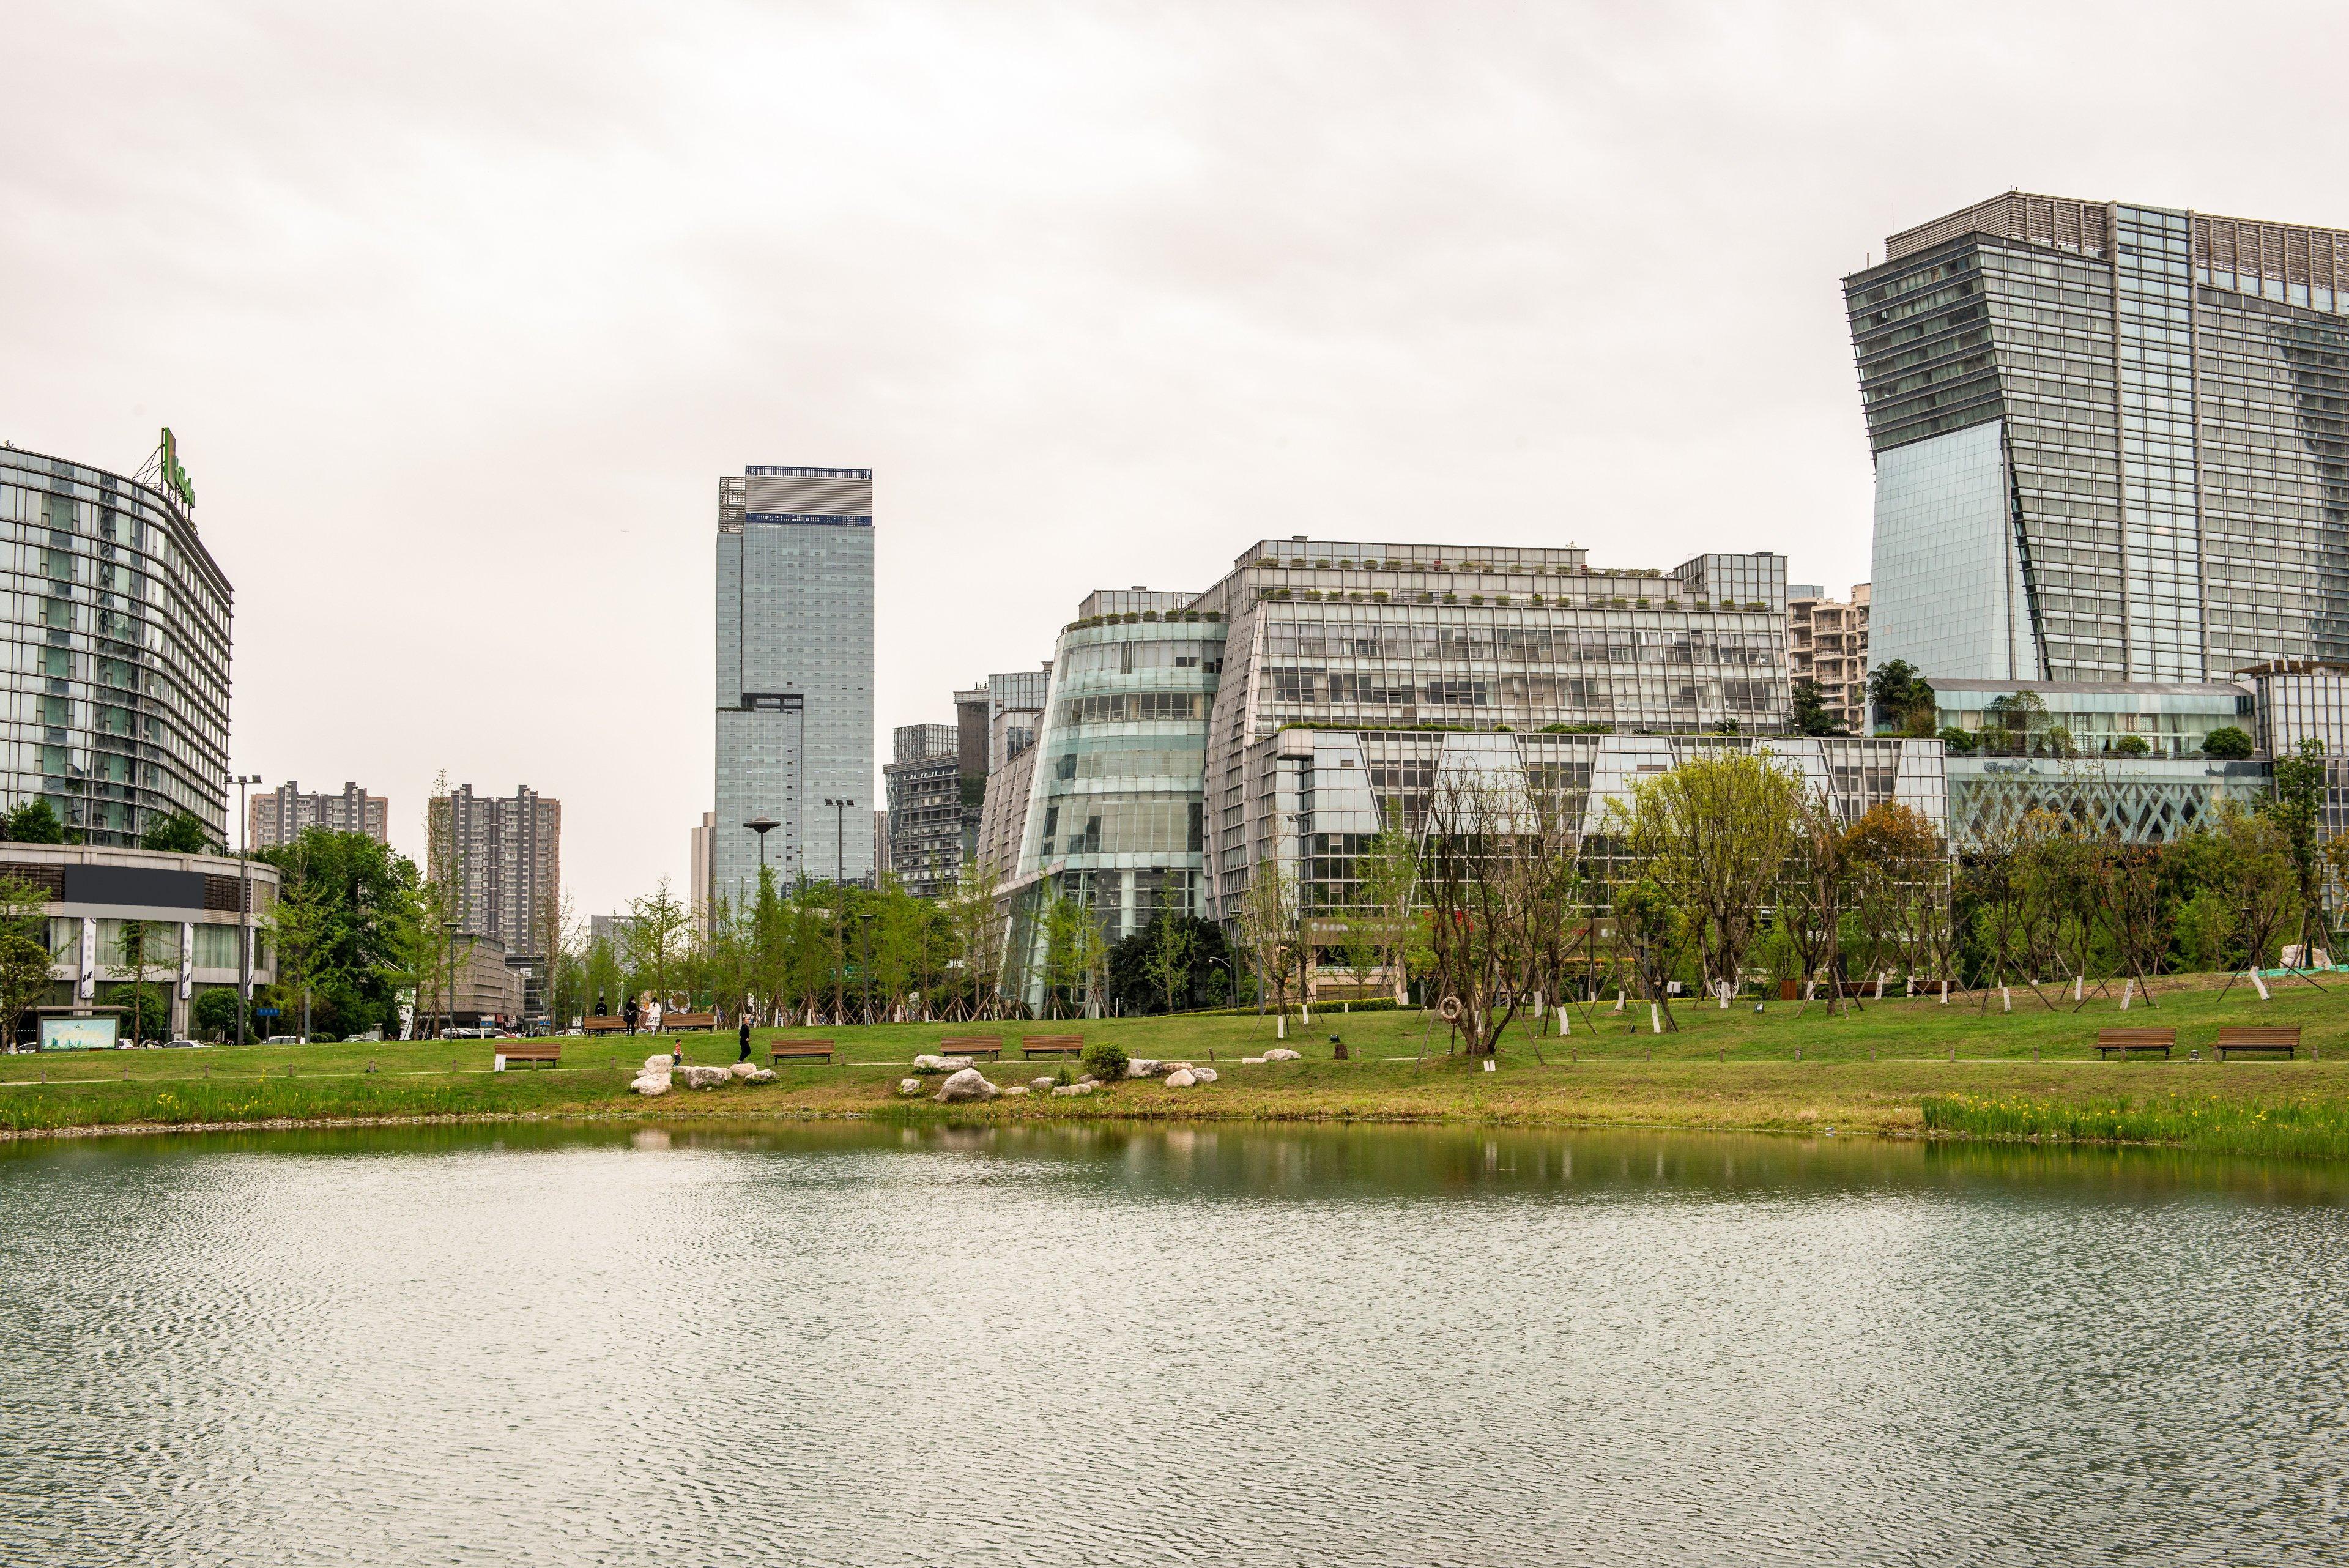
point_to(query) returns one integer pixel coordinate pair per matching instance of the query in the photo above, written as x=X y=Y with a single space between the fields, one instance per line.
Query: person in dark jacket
x=745 y=1032
x=629 y=1012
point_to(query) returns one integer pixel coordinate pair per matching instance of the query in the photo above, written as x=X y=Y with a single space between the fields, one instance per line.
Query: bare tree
x=1271 y=932
x=1468 y=869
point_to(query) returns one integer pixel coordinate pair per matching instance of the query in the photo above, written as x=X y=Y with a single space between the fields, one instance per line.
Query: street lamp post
x=243 y=905
x=763 y=824
x=449 y=1004
x=839 y=836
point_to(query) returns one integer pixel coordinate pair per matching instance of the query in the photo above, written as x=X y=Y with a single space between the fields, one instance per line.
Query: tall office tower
x=117 y=668
x=2111 y=441
x=279 y=817
x=508 y=874
x=794 y=684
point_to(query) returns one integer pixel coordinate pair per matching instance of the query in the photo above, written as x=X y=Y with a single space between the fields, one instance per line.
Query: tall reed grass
x=2304 y=1128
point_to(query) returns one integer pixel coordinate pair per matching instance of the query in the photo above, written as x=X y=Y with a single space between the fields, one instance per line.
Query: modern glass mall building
x=118 y=669
x=2111 y=441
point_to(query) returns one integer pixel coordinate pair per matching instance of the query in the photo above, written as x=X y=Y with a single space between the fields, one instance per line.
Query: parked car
x=285 y=1040
x=186 y=1046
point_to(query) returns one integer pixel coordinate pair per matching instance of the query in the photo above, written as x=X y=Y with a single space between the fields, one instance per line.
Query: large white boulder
x=909 y=1085
x=649 y=1083
x=703 y=1077
x=743 y=1070
x=1072 y=1089
x=1201 y=1075
x=940 y=1064
x=1145 y=1067
x=660 y=1063
x=1014 y=1089
x=759 y=1076
x=1282 y=1054
x=1182 y=1078
x=968 y=1084
x=1042 y=1083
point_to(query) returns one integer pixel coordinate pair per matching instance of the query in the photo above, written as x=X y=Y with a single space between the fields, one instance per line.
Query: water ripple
x=1069 y=1346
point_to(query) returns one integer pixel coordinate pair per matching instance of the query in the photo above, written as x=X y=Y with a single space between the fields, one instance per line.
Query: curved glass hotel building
x=118 y=632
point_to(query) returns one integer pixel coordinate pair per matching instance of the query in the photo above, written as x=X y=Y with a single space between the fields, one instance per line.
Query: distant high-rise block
x=794 y=676
x=705 y=832
x=504 y=855
x=279 y=817
x=2111 y=441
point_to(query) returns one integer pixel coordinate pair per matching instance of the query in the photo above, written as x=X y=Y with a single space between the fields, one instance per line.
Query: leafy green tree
x=2298 y=810
x=36 y=822
x=180 y=833
x=215 y=1012
x=1958 y=742
x=1811 y=715
x=136 y=952
x=1902 y=698
x=24 y=953
x=352 y=919
x=2132 y=746
x=2227 y=744
x=1713 y=833
x=657 y=935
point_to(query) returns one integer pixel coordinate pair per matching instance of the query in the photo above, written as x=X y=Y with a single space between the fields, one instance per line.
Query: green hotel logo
x=173 y=475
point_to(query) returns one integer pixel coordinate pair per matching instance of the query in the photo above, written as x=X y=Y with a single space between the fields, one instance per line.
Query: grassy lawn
x=1888 y=1070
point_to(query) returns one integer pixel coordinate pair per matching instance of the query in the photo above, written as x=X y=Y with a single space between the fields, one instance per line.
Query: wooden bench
x=973 y=1045
x=2128 y=1040
x=687 y=1023
x=798 y=1050
x=1051 y=1044
x=546 y=1051
x=2258 y=1040
x=610 y=1025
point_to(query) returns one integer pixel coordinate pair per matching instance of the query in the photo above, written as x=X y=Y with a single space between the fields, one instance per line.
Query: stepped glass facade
x=2111 y=441
x=117 y=668
x=1392 y=640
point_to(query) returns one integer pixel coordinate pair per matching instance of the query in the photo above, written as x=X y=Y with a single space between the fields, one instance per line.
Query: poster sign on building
x=87 y=988
x=187 y=960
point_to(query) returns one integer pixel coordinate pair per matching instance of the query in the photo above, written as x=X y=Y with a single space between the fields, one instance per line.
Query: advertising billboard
x=77 y=1033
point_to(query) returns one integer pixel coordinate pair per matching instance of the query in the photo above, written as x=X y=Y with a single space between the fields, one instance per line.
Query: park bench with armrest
x=973 y=1045
x=1051 y=1044
x=687 y=1023
x=546 y=1051
x=2128 y=1040
x=610 y=1025
x=798 y=1050
x=2258 y=1040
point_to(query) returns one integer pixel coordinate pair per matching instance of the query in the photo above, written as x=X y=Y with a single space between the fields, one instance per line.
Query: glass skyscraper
x=794 y=685
x=2111 y=441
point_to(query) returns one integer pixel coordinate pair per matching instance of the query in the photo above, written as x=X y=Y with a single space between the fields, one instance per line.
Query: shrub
x=2132 y=746
x=2227 y=744
x=1106 y=1060
x=1958 y=742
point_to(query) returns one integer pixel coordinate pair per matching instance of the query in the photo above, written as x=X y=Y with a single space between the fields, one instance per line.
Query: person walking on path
x=745 y=1032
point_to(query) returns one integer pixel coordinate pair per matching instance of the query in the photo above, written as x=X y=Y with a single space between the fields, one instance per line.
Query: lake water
x=861 y=1346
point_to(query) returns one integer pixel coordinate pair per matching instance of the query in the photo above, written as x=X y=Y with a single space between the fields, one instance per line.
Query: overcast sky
x=458 y=310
